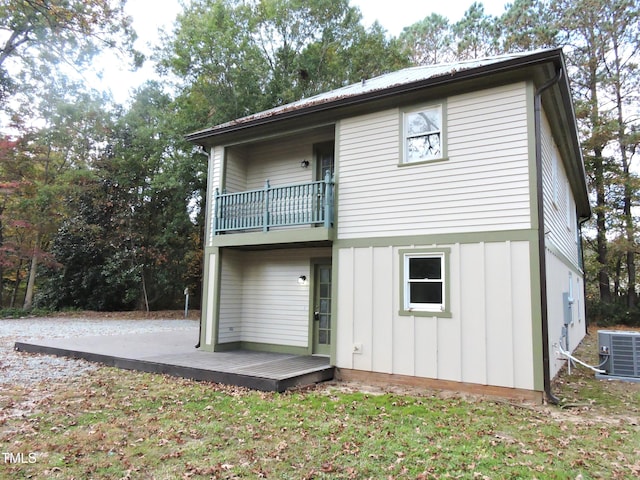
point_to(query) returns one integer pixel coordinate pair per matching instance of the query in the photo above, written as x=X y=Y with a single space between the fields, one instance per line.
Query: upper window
x=423 y=135
x=424 y=289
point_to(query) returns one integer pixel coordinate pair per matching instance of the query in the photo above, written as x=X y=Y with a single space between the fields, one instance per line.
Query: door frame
x=315 y=262
x=320 y=149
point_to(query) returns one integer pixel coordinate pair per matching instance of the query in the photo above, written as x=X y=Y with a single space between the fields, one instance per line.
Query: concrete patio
x=174 y=353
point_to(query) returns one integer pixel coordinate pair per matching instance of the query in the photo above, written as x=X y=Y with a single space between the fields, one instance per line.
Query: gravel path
x=26 y=369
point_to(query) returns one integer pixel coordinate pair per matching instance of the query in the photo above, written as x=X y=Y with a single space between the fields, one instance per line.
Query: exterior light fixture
x=302 y=280
x=304 y=163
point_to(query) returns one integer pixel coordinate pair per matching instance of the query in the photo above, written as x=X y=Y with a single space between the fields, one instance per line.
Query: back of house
x=420 y=227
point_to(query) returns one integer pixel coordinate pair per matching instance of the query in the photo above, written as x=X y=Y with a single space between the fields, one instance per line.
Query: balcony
x=273 y=208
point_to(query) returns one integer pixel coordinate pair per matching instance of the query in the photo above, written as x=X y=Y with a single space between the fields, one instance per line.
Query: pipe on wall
x=551 y=398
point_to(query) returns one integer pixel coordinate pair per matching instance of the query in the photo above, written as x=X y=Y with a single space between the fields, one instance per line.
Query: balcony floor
x=173 y=353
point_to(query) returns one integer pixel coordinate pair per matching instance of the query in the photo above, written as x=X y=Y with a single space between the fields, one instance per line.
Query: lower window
x=424 y=282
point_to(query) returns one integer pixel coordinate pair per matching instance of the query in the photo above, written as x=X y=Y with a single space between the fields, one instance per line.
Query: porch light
x=302 y=280
x=304 y=163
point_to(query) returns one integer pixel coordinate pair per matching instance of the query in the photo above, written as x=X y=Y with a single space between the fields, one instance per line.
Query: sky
x=393 y=15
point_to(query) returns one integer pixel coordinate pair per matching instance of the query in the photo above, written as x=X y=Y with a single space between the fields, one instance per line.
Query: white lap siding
x=564 y=273
x=261 y=300
x=483 y=185
x=487 y=340
x=280 y=160
x=559 y=205
x=231 y=298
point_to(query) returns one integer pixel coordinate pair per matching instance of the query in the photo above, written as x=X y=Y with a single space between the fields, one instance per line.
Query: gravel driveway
x=26 y=369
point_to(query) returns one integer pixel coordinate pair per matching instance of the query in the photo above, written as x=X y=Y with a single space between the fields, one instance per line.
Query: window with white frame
x=423 y=134
x=424 y=282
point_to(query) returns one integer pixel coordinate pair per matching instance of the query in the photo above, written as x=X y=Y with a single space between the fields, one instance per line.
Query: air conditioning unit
x=619 y=354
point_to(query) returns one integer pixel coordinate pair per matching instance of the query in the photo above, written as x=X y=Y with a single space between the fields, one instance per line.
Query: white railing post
x=328 y=200
x=216 y=212
x=265 y=213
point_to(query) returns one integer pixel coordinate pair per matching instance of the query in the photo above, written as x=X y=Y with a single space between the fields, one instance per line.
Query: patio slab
x=174 y=353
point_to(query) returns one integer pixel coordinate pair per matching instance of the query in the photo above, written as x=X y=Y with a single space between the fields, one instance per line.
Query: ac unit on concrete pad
x=619 y=355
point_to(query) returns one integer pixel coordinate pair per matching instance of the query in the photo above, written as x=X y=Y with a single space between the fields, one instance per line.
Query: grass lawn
x=114 y=424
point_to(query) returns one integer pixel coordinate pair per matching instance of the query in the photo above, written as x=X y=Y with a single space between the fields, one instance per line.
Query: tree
x=623 y=37
x=151 y=181
x=72 y=125
x=528 y=25
x=428 y=41
x=236 y=58
x=602 y=44
x=42 y=34
x=476 y=34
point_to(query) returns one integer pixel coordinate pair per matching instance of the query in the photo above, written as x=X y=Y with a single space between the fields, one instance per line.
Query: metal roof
x=381 y=83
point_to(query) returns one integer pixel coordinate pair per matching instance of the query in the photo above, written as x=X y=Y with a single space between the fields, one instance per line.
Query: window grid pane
x=424 y=282
x=423 y=135
x=425 y=293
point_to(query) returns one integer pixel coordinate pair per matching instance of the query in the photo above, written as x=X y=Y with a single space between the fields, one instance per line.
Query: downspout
x=551 y=398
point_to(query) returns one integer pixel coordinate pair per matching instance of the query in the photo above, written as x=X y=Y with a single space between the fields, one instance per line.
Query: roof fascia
x=206 y=137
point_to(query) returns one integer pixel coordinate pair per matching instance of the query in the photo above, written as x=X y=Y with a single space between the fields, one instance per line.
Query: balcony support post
x=265 y=206
x=216 y=212
x=328 y=200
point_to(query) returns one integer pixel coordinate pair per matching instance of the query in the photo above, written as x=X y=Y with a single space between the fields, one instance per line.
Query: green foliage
x=477 y=34
x=230 y=58
x=429 y=41
x=606 y=314
x=94 y=272
x=21 y=313
x=528 y=25
x=40 y=35
x=237 y=58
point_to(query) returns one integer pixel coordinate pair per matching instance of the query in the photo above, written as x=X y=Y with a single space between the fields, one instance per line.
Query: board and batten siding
x=487 y=340
x=260 y=298
x=482 y=186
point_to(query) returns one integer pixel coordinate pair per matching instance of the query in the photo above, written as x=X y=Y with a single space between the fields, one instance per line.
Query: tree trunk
x=28 y=297
x=626 y=180
x=16 y=287
x=601 y=227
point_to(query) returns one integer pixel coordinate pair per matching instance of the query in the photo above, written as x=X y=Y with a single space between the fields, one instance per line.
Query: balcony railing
x=301 y=204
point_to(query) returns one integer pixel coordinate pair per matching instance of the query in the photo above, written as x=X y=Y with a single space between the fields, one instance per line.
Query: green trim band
x=275 y=237
x=440 y=239
x=261 y=347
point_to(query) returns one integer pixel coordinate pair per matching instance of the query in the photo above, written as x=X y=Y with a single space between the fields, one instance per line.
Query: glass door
x=322 y=310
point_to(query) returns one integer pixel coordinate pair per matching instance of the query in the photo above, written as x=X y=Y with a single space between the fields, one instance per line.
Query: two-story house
x=420 y=227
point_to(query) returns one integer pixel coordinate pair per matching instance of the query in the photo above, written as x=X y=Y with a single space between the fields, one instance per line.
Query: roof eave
x=545 y=56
